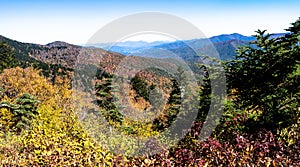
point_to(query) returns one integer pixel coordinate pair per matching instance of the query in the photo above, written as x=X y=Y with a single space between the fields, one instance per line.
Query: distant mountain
x=276 y=35
x=59 y=44
x=127 y=47
x=229 y=37
x=225 y=45
x=58 y=58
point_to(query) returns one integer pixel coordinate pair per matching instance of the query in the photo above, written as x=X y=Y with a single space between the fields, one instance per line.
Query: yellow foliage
x=5 y=119
x=17 y=81
x=55 y=137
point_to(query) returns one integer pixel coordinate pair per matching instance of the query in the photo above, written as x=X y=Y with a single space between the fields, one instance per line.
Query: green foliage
x=204 y=95
x=167 y=117
x=106 y=101
x=260 y=77
x=7 y=58
x=54 y=138
x=23 y=111
x=140 y=87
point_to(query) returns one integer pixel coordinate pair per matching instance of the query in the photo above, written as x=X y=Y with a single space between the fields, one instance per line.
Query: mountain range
x=59 y=58
x=224 y=45
x=55 y=56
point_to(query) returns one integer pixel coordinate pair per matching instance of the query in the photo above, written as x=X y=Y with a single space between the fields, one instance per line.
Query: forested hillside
x=44 y=123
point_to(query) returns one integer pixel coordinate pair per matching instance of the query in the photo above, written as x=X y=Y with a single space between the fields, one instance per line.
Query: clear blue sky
x=39 y=21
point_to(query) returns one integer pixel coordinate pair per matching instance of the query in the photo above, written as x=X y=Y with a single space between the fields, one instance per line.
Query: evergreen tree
x=140 y=87
x=24 y=110
x=175 y=102
x=106 y=101
x=261 y=78
x=7 y=58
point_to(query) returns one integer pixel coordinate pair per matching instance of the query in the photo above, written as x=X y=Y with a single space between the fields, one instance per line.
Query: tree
x=7 y=58
x=106 y=100
x=261 y=77
x=167 y=117
x=140 y=87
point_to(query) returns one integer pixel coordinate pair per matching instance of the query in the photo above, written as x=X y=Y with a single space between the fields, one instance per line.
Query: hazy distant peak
x=228 y=37
x=59 y=44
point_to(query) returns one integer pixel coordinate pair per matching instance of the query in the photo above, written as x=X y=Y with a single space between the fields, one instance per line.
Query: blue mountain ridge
x=225 y=45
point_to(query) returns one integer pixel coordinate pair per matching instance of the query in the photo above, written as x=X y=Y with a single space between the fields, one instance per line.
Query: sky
x=72 y=21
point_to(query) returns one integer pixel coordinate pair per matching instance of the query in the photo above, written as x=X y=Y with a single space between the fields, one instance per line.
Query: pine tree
x=24 y=110
x=7 y=58
x=261 y=77
x=106 y=100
